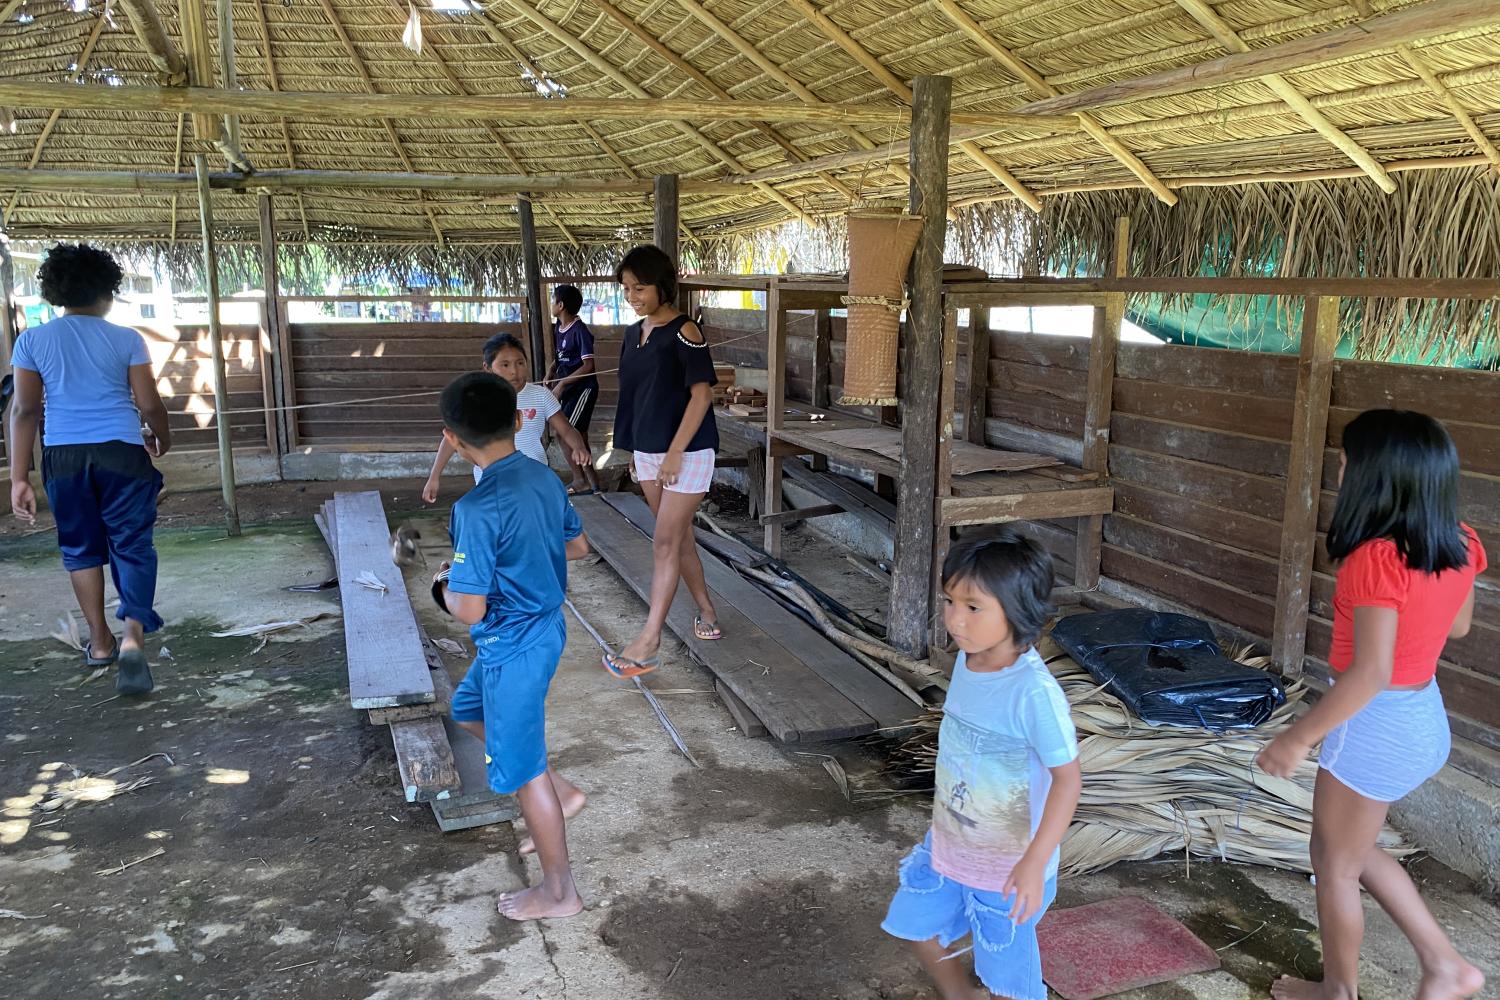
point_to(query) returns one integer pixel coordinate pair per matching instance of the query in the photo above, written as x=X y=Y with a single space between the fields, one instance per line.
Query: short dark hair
x=76 y=275
x=498 y=343
x=1011 y=568
x=569 y=297
x=480 y=408
x=651 y=266
x=1401 y=483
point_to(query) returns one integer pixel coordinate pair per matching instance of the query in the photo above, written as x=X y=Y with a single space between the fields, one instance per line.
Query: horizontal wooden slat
x=1040 y=349
x=1214 y=598
x=1261 y=456
x=382 y=367
x=1445 y=393
x=1227 y=411
x=1243 y=372
x=1049 y=414
x=1475 y=651
x=1478 y=444
x=1255 y=574
x=478 y=333
x=1231 y=527
x=1017 y=378
x=1198 y=481
x=463 y=352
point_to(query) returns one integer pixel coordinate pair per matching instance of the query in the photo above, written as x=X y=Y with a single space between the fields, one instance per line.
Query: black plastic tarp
x=1168 y=669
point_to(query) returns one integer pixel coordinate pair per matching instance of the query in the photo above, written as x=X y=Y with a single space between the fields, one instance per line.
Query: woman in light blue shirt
x=92 y=381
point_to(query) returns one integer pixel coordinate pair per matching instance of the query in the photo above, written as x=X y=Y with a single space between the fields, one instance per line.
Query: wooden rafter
x=274 y=78
x=1202 y=12
x=1091 y=125
x=390 y=130
x=1423 y=69
x=897 y=86
x=1377 y=32
x=150 y=30
x=635 y=90
x=431 y=51
x=41 y=140
x=296 y=180
x=703 y=79
x=757 y=58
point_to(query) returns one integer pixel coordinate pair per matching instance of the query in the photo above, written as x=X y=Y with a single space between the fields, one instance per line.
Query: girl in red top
x=1405 y=585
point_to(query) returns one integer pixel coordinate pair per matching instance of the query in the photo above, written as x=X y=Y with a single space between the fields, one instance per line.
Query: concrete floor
x=293 y=869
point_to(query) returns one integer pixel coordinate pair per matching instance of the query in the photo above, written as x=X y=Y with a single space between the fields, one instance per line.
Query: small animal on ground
x=404 y=548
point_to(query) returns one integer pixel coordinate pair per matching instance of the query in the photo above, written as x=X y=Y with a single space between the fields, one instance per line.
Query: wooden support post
x=8 y=329
x=273 y=360
x=943 y=481
x=533 y=273
x=664 y=232
x=192 y=24
x=977 y=409
x=775 y=407
x=822 y=367
x=922 y=356
x=216 y=346
x=229 y=79
x=1304 y=480
x=1098 y=408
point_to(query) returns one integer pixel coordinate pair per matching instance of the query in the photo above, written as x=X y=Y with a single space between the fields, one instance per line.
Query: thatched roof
x=1422 y=106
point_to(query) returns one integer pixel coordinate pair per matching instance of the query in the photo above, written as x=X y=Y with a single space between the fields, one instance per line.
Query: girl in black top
x=663 y=418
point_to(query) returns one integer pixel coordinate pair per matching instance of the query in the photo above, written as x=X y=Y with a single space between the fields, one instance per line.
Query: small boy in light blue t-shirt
x=1007 y=780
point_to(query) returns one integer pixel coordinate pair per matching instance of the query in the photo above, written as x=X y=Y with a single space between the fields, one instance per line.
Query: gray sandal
x=91 y=661
x=135 y=673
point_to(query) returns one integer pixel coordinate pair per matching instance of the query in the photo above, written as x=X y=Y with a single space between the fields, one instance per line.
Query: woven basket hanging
x=880 y=249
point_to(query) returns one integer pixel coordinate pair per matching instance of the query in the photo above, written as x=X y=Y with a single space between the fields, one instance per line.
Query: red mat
x=1116 y=945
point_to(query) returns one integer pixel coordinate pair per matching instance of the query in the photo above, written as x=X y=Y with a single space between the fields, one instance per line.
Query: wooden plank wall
x=180 y=357
x=1199 y=446
x=338 y=363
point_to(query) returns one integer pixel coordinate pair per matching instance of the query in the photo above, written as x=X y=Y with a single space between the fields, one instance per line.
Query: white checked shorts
x=697 y=470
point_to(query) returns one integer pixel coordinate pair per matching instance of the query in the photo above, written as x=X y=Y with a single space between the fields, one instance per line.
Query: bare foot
x=1450 y=982
x=572 y=805
x=538 y=904
x=639 y=651
x=1289 y=988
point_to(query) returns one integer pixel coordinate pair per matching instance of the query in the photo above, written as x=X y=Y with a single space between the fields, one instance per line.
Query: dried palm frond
x=1153 y=790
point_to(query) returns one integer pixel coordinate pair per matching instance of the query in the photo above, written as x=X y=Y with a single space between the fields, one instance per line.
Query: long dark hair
x=1401 y=483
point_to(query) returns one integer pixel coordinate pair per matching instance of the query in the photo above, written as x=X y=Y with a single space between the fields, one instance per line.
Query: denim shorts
x=1392 y=745
x=930 y=905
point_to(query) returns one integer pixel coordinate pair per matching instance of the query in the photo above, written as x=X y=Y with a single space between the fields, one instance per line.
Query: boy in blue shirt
x=512 y=537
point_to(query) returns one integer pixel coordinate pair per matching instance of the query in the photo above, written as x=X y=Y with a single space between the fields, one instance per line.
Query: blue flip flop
x=100 y=661
x=625 y=668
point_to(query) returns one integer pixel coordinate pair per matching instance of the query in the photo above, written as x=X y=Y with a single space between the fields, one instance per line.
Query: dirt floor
x=241 y=833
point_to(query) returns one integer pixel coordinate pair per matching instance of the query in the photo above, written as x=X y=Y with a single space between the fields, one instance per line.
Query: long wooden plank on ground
x=847 y=675
x=425 y=759
x=474 y=805
x=795 y=704
x=386 y=663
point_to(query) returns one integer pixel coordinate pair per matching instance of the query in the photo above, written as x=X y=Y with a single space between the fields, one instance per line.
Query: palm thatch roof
x=1360 y=122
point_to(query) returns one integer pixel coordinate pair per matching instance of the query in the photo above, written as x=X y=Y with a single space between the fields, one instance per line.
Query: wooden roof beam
x=672 y=58
x=1209 y=19
x=758 y=59
x=1386 y=31
x=635 y=90
x=286 y=133
x=1016 y=66
x=151 y=31
x=432 y=52
x=1423 y=69
x=390 y=130
x=51 y=123
x=296 y=180
x=897 y=86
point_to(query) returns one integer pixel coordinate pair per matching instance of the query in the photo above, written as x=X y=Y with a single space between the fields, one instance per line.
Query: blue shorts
x=508 y=693
x=930 y=905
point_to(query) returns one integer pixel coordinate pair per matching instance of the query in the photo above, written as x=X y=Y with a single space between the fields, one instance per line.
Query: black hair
x=480 y=408
x=498 y=343
x=569 y=297
x=1401 y=483
x=651 y=266
x=76 y=276
x=1011 y=568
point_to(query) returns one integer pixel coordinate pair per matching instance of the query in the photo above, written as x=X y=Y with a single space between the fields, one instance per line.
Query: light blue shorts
x=930 y=905
x=1392 y=745
x=507 y=691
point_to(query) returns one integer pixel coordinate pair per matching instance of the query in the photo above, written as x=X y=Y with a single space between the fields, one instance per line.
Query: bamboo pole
x=151 y=31
x=1438 y=17
x=216 y=345
x=1209 y=19
x=192 y=22
x=292 y=180
x=228 y=79
x=8 y=329
x=448 y=107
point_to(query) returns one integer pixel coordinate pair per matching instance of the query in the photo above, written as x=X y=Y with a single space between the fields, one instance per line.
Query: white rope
x=428 y=392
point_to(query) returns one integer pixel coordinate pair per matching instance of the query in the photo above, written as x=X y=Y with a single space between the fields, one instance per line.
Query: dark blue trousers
x=103 y=497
